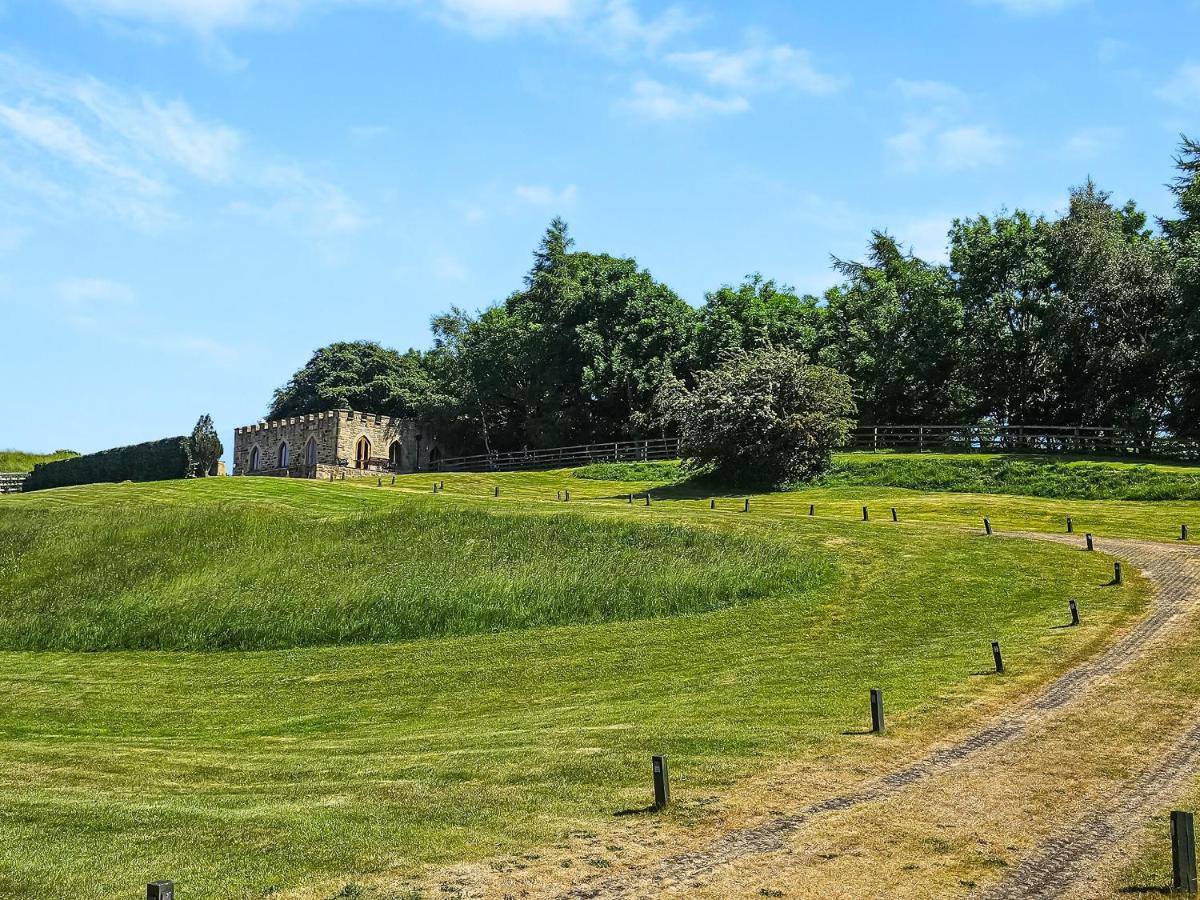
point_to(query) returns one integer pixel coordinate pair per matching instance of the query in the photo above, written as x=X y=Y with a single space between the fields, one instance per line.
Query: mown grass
x=243 y=773
x=1055 y=477
x=19 y=461
x=215 y=576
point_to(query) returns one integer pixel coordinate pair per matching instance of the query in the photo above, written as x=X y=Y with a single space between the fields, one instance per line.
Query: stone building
x=317 y=445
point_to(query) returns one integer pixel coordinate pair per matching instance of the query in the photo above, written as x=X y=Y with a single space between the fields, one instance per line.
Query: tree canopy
x=1088 y=317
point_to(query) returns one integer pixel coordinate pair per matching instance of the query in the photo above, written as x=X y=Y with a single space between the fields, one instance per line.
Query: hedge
x=151 y=461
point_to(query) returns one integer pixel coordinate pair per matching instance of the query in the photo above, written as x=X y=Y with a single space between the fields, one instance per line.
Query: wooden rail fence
x=1083 y=439
x=12 y=482
x=1029 y=438
x=562 y=457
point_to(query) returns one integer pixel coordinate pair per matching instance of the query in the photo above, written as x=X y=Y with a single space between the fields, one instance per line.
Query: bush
x=763 y=417
x=151 y=461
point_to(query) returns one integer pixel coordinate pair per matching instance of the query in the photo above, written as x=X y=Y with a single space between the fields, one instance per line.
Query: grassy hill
x=18 y=461
x=548 y=648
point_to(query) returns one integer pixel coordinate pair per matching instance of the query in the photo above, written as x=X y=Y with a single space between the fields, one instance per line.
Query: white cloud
x=78 y=142
x=1183 y=87
x=927 y=143
x=654 y=100
x=757 y=68
x=303 y=202
x=1034 y=7
x=623 y=24
x=541 y=195
x=88 y=293
x=937 y=92
x=937 y=132
x=1089 y=143
x=198 y=15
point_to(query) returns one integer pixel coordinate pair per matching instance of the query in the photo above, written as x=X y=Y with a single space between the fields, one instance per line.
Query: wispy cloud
x=77 y=139
x=108 y=310
x=652 y=99
x=545 y=196
x=1183 y=87
x=298 y=200
x=75 y=144
x=1089 y=143
x=937 y=132
x=89 y=293
x=758 y=67
x=1034 y=7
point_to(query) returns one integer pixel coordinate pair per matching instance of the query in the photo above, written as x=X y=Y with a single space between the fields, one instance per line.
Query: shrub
x=151 y=461
x=763 y=417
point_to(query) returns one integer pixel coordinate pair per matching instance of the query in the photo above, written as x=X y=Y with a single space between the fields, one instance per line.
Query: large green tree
x=757 y=313
x=1183 y=235
x=895 y=327
x=361 y=375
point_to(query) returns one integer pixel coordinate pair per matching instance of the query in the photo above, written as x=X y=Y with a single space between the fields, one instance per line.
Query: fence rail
x=12 y=482
x=562 y=457
x=1085 y=439
x=1030 y=438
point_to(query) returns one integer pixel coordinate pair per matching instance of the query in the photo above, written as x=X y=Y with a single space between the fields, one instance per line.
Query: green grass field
x=18 y=461
x=495 y=672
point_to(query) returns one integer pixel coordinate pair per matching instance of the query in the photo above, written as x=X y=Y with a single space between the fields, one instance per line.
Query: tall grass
x=19 y=461
x=226 y=576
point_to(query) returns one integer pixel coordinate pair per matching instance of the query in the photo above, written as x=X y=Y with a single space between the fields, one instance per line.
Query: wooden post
x=631 y=499
x=379 y=481
x=393 y=481
x=877 y=723
x=496 y=491
x=647 y=498
x=1074 y=607
x=866 y=517
x=1090 y=545
x=1183 y=851
x=1183 y=533
x=811 y=507
x=1070 y=525
x=997 y=658
x=1116 y=573
x=746 y=505
x=662 y=782
x=558 y=495
x=894 y=517
x=712 y=504
x=160 y=890
x=435 y=487
x=987 y=526
x=567 y=496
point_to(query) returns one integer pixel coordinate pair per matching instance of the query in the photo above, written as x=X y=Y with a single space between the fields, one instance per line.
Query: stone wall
x=336 y=435
x=295 y=431
x=382 y=432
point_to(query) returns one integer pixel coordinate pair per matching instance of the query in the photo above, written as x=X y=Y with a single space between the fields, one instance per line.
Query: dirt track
x=1052 y=868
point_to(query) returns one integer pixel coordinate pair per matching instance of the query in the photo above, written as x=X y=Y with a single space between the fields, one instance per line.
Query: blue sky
x=195 y=194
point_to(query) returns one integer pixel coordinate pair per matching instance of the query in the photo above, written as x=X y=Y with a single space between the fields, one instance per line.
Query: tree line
x=1088 y=318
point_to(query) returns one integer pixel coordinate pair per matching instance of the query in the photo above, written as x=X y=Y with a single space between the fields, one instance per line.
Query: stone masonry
x=317 y=445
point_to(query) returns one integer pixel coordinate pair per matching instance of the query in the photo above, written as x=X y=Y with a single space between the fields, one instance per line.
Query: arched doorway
x=285 y=456
x=435 y=458
x=395 y=455
x=310 y=452
x=254 y=458
x=362 y=452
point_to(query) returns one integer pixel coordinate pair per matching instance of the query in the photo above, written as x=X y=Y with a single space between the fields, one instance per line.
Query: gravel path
x=1050 y=867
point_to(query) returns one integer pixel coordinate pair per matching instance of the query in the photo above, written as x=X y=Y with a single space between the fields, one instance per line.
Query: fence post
x=160 y=890
x=662 y=782
x=875 y=439
x=1074 y=607
x=997 y=658
x=1183 y=851
x=877 y=723
x=1090 y=545
x=920 y=438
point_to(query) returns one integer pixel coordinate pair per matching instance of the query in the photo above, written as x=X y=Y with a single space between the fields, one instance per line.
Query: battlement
x=348 y=415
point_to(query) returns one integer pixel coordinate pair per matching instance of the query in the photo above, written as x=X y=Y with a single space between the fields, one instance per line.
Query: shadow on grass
x=858 y=732
x=1145 y=889
x=641 y=811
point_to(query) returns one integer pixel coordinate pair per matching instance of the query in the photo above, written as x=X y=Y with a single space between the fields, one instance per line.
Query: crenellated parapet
x=311 y=444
